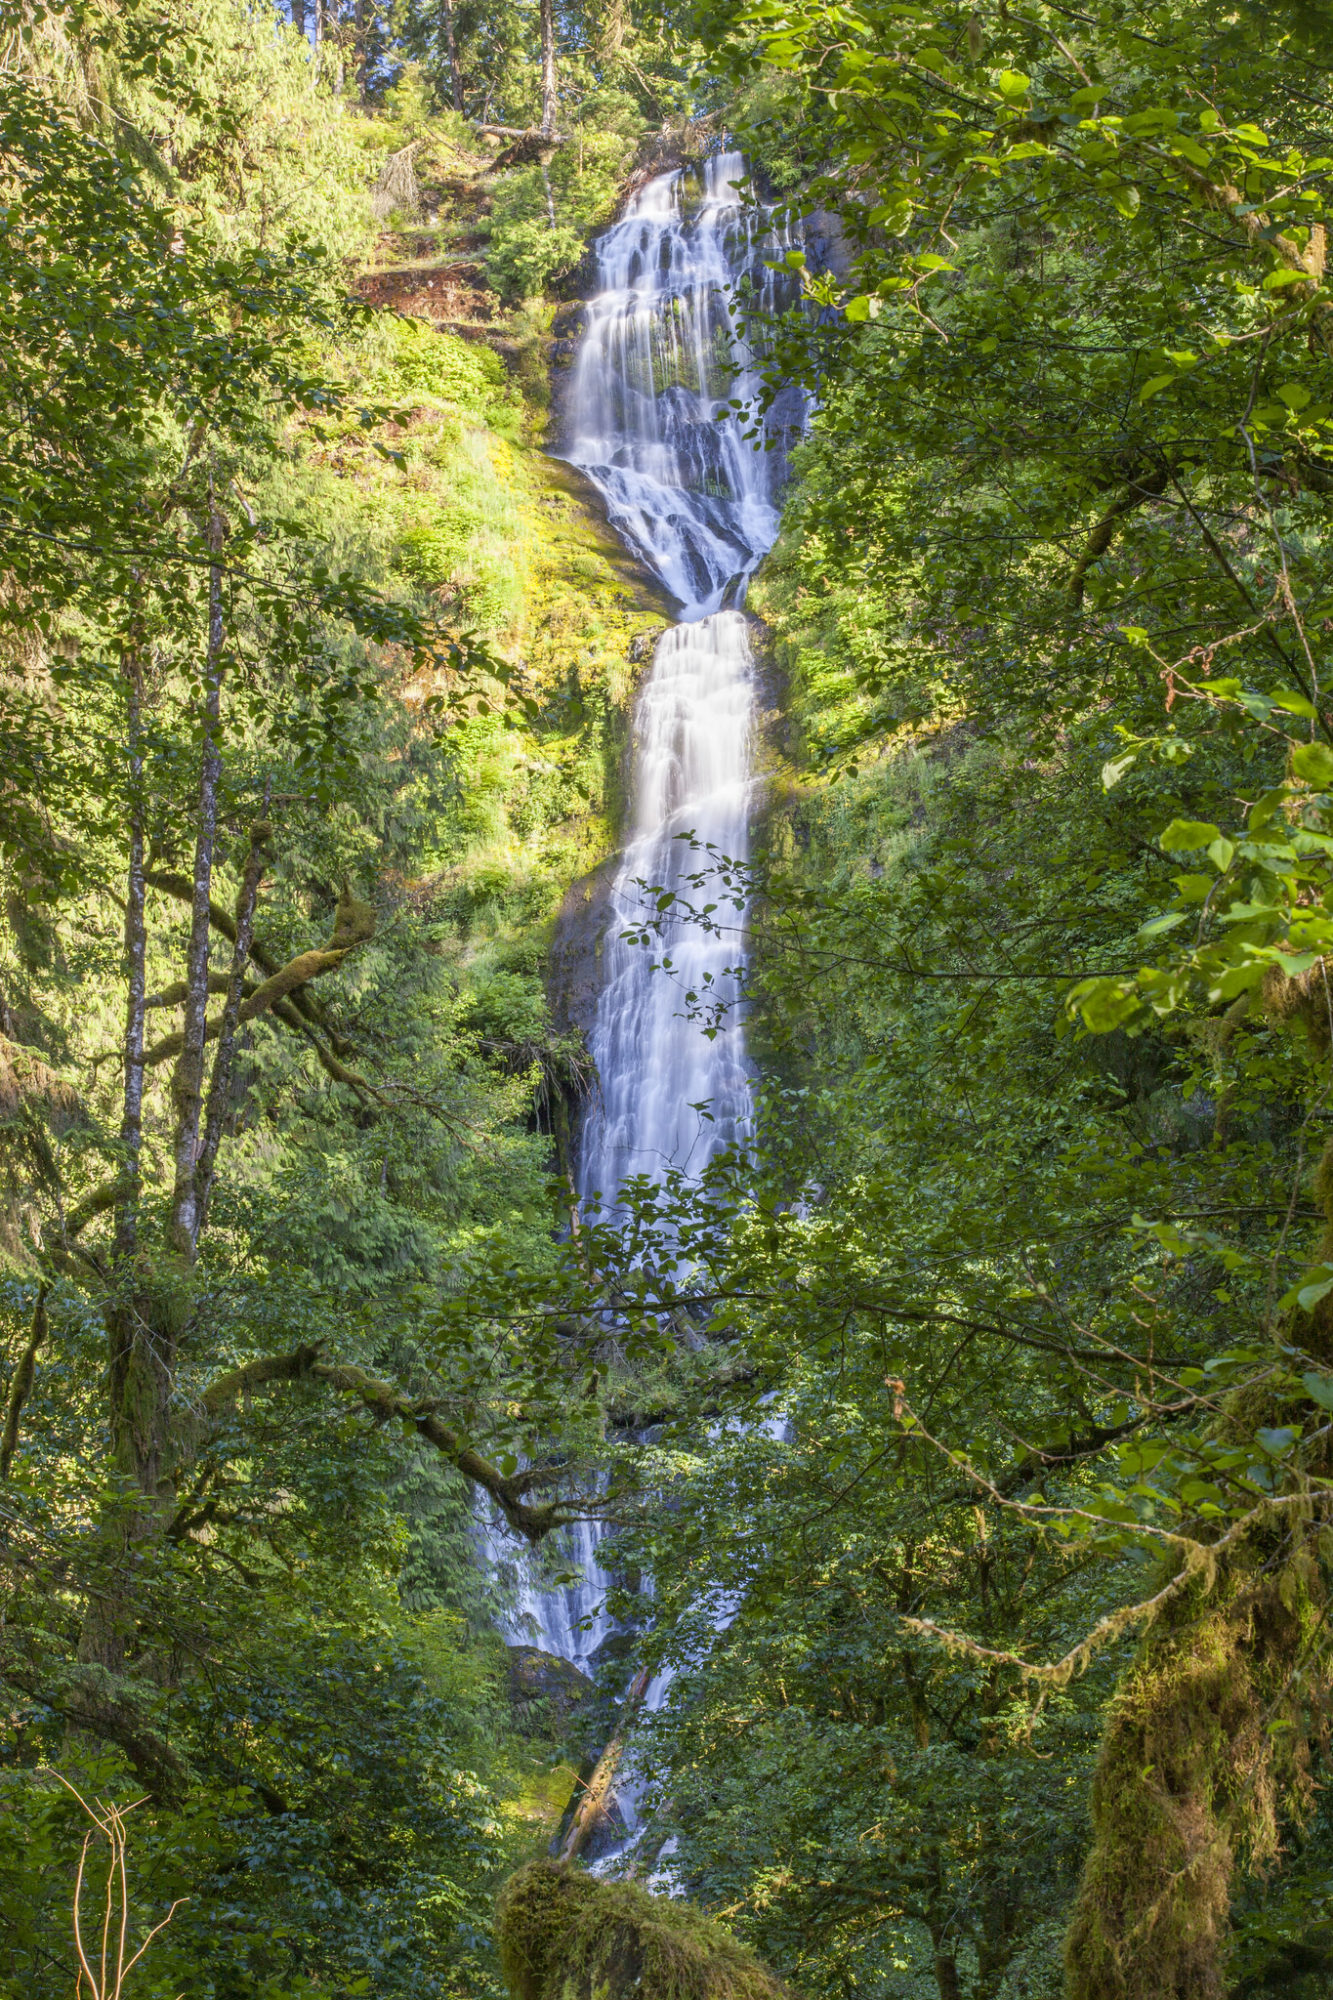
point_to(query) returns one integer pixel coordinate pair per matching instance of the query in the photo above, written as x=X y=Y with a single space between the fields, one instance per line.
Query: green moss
x=422 y=360
x=565 y=1935
x=1205 y=1750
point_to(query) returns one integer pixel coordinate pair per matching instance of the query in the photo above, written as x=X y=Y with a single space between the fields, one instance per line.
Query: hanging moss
x=565 y=1935
x=1211 y=1736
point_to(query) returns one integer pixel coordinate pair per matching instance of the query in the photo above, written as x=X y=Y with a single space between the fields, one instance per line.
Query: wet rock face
x=826 y=242
x=574 y=967
x=545 y=1692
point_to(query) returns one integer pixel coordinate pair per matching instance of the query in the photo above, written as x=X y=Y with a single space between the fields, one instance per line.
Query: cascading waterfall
x=651 y=422
x=661 y=361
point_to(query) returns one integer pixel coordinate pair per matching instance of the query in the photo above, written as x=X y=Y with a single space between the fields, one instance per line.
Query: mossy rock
x=565 y=1935
x=545 y=1693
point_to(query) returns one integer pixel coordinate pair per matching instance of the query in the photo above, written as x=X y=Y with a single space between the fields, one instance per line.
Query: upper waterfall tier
x=660 y=363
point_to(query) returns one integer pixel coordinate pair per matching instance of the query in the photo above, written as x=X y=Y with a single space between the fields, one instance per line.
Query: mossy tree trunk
x=1210 y=1733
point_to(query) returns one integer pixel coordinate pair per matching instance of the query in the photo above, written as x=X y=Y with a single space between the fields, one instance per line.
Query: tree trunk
x=21 y=1387
x=549 y=93
x=1183 y=1753
x=136 y=945
x=999 y=1914
x=946 y=1976
x=188 y=1081
x=451 y=51
x=106 y=1625
x=298 y=17
x=147 y=1306
x=219 y=1090
x=361 y=34
x=1209 y=1734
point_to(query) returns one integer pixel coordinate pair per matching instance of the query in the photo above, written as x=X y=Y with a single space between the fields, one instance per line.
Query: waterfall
x=659 y=405
x=652 y=422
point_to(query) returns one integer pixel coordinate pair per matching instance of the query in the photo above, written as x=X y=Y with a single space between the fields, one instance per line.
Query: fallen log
x=594 y=1804
x=523 y=132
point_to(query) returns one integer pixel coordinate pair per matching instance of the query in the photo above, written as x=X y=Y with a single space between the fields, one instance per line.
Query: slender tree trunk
x=1000 y=1914
x=549 y=90
x=298 y=17
x=943 y=1934
x=136 y=945
x=361 y=33
x=188 y=1082
x=946 y=1975
x=138 y=1382
x=219 y=1089
x=451 y=50
x=21 y=1387
x=147 y=1307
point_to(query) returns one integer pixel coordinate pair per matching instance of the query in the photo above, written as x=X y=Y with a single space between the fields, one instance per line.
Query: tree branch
x=354 y=923
x=1144 y=486
x=21 y=1387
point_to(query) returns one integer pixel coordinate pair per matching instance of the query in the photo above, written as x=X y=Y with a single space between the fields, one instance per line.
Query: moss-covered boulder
x=565 y=1935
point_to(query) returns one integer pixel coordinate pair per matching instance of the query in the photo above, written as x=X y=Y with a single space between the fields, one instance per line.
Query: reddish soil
x=453 y=293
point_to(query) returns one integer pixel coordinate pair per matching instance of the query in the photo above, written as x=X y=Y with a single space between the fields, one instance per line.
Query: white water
x=660 y=362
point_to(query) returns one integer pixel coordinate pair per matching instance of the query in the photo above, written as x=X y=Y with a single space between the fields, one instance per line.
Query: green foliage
x=542 y=215
x=457 y=375
x=261 y=1614
x=988 y=1393
x=1046 y=602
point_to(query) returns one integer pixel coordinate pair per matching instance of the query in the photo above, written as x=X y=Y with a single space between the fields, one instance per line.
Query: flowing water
x=652 y=421
x=662 y=359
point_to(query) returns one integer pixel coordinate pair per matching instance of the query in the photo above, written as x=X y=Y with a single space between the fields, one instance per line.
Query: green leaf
x=1314 y=763
x=1186 y=836
x=1012 y=84
x=1316 y=1286
x=1295 y=963
x=1319 y=1388
x=1154 y=386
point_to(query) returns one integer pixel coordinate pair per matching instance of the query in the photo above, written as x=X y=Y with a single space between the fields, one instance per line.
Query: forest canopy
x=963 y=1435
